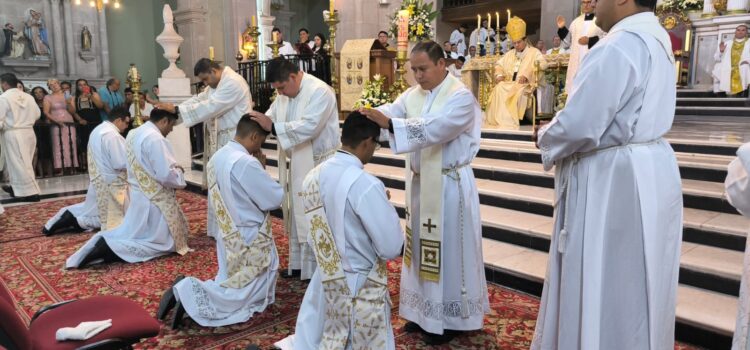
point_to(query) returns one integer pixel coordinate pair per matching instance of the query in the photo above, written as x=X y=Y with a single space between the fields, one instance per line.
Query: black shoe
x=179 y=313
x=66 y=221
x=45 y=231
x=9 y=189
x=252 y=347
x=294 y=274
x=437 y=339
x=101 y=251
x=412 y=327
x=32 y=198
x=168 y=300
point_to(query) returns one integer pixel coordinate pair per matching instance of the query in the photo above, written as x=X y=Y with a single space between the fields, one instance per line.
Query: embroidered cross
x=429 y=225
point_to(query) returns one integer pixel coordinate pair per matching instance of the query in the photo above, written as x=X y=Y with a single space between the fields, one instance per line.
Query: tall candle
x=479 y=21
x=403 y=30
x=211 y=53
x=687 y=40
x=677 y=68
x=332 y=7
x=508 y=15
x=254 y=21
x=497 y=16
x=489 y=21
x=275 y=37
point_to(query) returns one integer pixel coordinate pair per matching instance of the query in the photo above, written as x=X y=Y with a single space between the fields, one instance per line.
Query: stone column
x=104 y=44
x=266 y=25
x=736 y=6
x=191 y=19
x=70 y=39
x=57 y=33
x=708 y=9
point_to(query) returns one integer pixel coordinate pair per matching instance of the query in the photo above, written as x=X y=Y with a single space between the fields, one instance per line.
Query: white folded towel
x=83 y=331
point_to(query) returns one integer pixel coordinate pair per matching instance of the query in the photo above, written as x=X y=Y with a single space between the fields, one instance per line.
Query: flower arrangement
x=373 y=94
x=683 y=5
x=421 y=16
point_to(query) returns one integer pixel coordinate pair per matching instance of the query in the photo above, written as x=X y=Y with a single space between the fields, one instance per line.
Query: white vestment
x=614 y=256
x=220 y=109
x=144 y=233
x=307 y=128
x=18 y=113
x=107 y=147
x=738 y=193
x=366 y=229
x=722 y=72
x=459 y=39
x=248 y=194
x=437 y=306
x=560 y=50
x=579 y=28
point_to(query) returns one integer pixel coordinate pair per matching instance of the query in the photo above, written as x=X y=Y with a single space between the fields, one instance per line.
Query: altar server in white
x=732 y=70
x=304 y=119
x=243 y=196
x=615 y=252
x=220 y=107
x=154 y=224
x=437 y=124
x=347 y=305
x=18 y=113
x=107 y=195
x=584 y=33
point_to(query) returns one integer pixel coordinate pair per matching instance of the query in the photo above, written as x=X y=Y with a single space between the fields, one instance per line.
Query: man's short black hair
x=447 y=42
x=462 y=58
x=204 y=65
x=279 y=70
x=118 y=112
x=128 y=90
x=433 y=50
x=646 y=3
x=247 y=126
x=111 y=81
x=357 y=128
x=65 y=83
x=10 y=79
x=276 y=29
x=304 y=30
x=464 y=26
x=159 y=114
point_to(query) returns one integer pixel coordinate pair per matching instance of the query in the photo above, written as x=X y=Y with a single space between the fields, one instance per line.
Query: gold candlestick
x=274 y=49
x=254 y=33
x=134 y=81
x=332 y=20
x=399 y=86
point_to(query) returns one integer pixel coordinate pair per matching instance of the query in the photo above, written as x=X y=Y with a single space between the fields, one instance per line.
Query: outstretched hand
x=265 y=121
x=377 y=116
x=169 y=107
x=560 y=21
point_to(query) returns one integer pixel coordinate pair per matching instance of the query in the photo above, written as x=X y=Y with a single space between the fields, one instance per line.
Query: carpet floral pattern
x=33 y=271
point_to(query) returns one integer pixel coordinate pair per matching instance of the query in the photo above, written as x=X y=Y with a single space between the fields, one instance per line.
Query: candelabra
x=250 y=44
x=400 y=85
x=134 y=81
x=332 y=20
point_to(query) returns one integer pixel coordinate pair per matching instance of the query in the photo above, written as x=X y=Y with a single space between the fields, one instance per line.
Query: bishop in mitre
x=582 y=35
x=737 y=185
x=220 y=107
x=732 y=71
x=614 y=256
x=243 y=196
x=347 y=304
x=154 y=224
x=304 y=120
x=107 y=195
x=517 y=74
x=437 y=124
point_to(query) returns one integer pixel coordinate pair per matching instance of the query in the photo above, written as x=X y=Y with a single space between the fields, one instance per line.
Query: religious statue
x=14 y=42
x=85 y=39
x=36 y=33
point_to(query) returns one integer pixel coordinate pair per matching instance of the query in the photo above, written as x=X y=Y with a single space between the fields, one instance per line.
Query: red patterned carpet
x=32 y=270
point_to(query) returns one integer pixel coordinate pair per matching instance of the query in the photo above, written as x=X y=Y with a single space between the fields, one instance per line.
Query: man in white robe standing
x=154 y=224
x=584 y=33
x=304 y=120
x=219 y=107
x=244 y=194
x=107 y=195
x=732 y=70
x=347 y=304
x=438 y=125
x=615 y=252
x=458 y=38
x=737 y=186
x=18 y=113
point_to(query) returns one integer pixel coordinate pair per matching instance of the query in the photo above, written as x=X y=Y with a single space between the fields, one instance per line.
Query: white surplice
x=143 y=234
x=316 y=122
x=459 y=39
x=737 y=186
x=611 y=280
x=108 y=151
x=366 y=229
x=578 y=28
x=18 y=113
x=722 y=72
x=220 y=109
x=437 y=306
x=248 y=193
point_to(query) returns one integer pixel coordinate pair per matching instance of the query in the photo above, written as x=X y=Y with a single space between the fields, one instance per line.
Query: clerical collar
x=588 y=17
x=355 y=158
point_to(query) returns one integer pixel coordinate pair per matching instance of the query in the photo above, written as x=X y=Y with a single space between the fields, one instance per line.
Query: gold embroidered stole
x=430 y=217
x=366 y=309
x=736 y=79
x=163 y=198
x=110 y=198
x=244 y=261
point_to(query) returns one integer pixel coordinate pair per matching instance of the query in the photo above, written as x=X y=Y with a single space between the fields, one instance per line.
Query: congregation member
x=437 y=125
x=111 y=97
x=63 y=132
x=583 y=34
x=614 y=257
x=557 y=48
x=154 y=224
x=732 y=70
x=18 y=113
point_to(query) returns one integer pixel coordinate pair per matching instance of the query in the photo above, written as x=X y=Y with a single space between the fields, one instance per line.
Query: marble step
x=713 y=111
x=694 y=93
x=711 y=102
x=707 y=310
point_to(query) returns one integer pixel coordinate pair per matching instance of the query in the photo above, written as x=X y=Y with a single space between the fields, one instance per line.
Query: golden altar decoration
x=479 y=76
